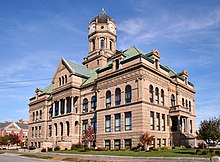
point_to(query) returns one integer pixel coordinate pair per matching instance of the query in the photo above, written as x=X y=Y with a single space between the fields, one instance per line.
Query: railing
x=179 y=108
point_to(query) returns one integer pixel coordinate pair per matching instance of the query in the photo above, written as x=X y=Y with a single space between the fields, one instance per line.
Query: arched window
x=93 y=102
x=162 y=96
x=151 y=93
x=117 y=64
x=85 y=105
x=61 y=128
x=51 y=112
x=128 y=94
x=117 y=96
x=110 y=44
x=67 y=128
x=55 y=126
x=173 y=101
x=59 y=81
x=93 y=44
x=186 y=103
x=108 y=98
x=157 y=95
x=183 y=102
x=62 y=80
x=65 y=78
x=102 y=44
x=40 y=114
x=190 y=106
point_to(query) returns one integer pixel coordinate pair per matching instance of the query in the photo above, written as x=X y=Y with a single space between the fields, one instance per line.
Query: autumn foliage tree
x=89 y=136
x=146 y=139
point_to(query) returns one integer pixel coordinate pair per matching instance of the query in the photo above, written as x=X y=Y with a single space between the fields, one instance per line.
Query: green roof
x=48 y=89
x=93 y=76
x=132 y=51
x=79 y=69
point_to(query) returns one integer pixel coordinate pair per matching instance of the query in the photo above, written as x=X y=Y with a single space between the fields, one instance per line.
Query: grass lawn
x=162 y=153
x=37 y=156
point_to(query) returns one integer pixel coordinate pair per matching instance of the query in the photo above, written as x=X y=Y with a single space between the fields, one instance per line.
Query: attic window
x=156 y=63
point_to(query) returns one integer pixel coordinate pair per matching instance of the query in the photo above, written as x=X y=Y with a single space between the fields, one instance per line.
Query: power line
x=21 y=86
x=22 y=81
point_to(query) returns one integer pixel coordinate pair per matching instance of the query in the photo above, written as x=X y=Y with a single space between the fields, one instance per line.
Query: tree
x=89 y=136
x=146 y=139
x=209 y=129
x=14 y=139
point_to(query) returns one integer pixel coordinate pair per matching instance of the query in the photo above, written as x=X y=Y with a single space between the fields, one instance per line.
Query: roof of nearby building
x=22 y=126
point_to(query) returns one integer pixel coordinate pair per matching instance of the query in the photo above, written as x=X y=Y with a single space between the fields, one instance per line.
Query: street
x=15 y=158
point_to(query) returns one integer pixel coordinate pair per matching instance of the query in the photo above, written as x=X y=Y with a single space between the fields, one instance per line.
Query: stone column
x=72 y=102
x=178 y=126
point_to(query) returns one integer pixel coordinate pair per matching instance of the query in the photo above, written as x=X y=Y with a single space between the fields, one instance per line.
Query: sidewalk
x=107 y=158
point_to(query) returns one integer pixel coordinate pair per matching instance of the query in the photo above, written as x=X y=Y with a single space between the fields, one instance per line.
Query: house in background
x=120 y=93
x=19 y=129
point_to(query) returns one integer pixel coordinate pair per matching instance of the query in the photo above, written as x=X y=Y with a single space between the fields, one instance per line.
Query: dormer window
x=117 y=64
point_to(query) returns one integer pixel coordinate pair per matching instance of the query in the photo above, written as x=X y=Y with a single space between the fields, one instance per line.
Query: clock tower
x=102 y=40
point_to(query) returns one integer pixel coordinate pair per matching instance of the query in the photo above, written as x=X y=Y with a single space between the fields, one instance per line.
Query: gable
x=12 y=125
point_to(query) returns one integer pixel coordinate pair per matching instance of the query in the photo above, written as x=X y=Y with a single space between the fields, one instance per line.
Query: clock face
x=92 y=27
x=111 y=27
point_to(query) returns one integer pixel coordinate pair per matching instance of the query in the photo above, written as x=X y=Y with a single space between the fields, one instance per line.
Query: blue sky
x=35 y=34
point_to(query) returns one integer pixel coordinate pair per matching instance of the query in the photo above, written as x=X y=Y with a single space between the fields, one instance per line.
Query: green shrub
x=57 y=148
x=157 y=149
x=217 y=152
x=198 y=152
x=205 y=152
x=76 y=146
x=49 y=149
x=166 y=148
x=211 y=151
x=43 y=150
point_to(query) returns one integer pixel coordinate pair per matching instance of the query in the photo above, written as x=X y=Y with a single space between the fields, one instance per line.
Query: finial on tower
x=103 y=12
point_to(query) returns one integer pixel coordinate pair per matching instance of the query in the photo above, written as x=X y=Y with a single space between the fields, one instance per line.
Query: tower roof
x=103 y=17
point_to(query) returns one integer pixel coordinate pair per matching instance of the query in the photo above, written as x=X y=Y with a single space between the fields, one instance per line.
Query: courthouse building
x=121 y=94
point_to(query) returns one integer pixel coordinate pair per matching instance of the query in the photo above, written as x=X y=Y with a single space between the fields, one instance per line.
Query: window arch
x=173 y=101
x=186 y=103
x=59 y=81
x=62 y=80
x=162 y=96
x=128 y=94
x=93 y=102
x=108 y=98
x=183 y=102
x=117 y=96
x=67 y=128
x=151 y=91
x=85 y=105
x=65 y=78
x=157 y=95
x=61 y=128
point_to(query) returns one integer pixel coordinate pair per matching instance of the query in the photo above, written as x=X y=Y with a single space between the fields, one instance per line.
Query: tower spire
x=103 y=12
